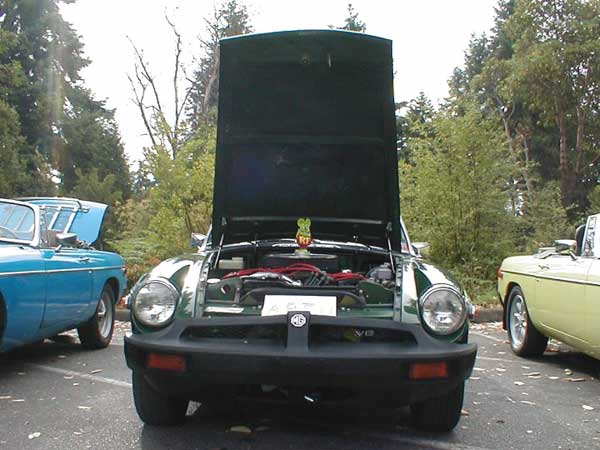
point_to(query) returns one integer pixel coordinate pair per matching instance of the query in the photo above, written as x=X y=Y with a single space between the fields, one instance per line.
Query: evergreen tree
x=229 y=19
x=352 y=21
x=62 y=126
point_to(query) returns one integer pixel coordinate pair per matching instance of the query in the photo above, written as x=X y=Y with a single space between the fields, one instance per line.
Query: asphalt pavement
x=59 y=396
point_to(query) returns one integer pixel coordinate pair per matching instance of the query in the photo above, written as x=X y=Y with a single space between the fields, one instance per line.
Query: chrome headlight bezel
x=428 y=295
x=173 y=292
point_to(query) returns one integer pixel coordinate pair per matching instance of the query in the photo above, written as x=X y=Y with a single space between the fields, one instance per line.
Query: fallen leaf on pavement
x=96 y=371
x=587 y=408
x=241 y=429
x=85 y=407
x=18 y=400
x=568 y=372
x=554 y=378
x=575 y=380
x=510 y=400
x=464 y=412
x=500 y=369
x=529 y=431
x=526 y=402
x=37 y=434
x=519 y=383
x=5 y=397
x=531 y=374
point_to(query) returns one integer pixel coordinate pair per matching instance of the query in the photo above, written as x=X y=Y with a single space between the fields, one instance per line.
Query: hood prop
x=389 y=242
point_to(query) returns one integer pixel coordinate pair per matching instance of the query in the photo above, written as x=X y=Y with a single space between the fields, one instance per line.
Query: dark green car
x=307 y=288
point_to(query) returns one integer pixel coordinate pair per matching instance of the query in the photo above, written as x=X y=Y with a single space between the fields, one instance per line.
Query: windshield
x=16 y=222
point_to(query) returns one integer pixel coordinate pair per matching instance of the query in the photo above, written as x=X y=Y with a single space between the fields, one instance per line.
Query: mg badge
x=298 y=320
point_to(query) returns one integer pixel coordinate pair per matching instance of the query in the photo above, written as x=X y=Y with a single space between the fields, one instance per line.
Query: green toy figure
x=303 y=236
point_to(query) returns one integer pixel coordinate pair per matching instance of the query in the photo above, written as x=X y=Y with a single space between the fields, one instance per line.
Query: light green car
x=554 y=293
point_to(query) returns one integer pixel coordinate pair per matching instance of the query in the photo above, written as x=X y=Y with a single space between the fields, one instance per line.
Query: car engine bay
x=355 y=280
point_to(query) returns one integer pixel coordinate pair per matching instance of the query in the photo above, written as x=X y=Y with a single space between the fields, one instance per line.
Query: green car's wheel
x=97 y=332
x=155 y=408
x=524 y=338
x=440 y=414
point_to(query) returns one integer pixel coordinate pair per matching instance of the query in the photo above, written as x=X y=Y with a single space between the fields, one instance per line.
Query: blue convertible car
x=51 y=277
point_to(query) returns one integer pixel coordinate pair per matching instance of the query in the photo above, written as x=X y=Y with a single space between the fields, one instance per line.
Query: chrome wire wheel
x=517 y=318
x=105 y=315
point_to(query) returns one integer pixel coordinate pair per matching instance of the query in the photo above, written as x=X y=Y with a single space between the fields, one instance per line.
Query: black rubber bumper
x=217 y=352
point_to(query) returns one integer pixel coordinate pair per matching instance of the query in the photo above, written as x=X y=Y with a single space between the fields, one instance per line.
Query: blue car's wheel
x=97 y=332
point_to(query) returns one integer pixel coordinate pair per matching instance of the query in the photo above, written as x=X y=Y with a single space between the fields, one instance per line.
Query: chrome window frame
x=35 y=240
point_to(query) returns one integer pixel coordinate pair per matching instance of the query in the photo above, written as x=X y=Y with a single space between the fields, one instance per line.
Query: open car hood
x=306 y=130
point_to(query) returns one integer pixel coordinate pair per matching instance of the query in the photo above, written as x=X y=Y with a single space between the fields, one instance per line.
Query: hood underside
x=306 y=129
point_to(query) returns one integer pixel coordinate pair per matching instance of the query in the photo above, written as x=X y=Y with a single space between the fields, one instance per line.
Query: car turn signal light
x=428 y=371
x=173 y=363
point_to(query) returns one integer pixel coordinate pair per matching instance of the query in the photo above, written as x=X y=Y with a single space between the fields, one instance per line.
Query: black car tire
x=155 y=408
x=439 y=414
x=97 y=332
x=533 y=343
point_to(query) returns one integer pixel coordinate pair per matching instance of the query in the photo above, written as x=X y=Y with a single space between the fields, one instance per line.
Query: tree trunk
x=567 y=178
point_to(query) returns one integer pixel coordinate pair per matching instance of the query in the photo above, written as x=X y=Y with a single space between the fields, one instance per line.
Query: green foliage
x=58 y=125
x=595 y=201
x=91 y=186
x=352 y=22
x=92 y=142
x=544 y=221
x=230 y=18
x=10 y=143
x=453 y=195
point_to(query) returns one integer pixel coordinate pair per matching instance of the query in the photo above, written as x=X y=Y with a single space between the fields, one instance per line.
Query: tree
x=556 y=69
x=92 y=142
x=415 y=120
x=41 y=57
x=10 y=143
x=164 y=134
x=352 y=22
x=228 y=19
x=453 y=195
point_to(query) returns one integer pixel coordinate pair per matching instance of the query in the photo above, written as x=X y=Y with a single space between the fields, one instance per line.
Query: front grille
x=273 y=333
x=322 y=334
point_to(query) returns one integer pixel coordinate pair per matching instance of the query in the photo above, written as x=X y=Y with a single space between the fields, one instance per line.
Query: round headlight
x=154 y=303
x=443 y=309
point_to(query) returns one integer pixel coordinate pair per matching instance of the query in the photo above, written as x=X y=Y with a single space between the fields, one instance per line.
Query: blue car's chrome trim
x=43 y=272
x=35 y=240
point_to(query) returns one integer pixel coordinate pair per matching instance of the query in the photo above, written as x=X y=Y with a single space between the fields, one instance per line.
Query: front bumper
x=225 y=351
